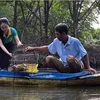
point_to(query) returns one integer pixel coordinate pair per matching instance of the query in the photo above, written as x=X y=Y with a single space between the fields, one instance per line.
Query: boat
x=40 y=77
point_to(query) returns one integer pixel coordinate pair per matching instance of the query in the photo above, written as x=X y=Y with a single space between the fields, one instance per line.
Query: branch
x=88 y=10
x=69 y=6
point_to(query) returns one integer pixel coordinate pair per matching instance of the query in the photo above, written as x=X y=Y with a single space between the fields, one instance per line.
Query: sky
x=96 y=25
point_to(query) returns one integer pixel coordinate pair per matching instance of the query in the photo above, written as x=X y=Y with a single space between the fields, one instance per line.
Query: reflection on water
x=40 y=93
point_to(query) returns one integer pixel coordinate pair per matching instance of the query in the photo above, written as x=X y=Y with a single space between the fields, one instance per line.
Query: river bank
x=94 y=55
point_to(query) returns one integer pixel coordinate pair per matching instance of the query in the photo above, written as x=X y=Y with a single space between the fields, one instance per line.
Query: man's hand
x=92 y=71
x=28 y=48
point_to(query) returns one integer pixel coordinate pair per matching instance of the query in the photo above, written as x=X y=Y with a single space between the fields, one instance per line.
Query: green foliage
x=98 y=4
x=6 y=10
x=90 y=37
x=58 y=14
x=97 y=36
x=31 y=19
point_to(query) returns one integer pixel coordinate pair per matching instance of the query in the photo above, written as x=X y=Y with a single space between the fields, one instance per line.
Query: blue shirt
x=72 y=47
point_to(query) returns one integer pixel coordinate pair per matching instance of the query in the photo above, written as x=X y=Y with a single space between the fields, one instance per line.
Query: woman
x=7 y=34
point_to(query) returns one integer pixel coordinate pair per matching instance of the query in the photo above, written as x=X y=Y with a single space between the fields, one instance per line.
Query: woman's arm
x=18 y=42
x=4 y=49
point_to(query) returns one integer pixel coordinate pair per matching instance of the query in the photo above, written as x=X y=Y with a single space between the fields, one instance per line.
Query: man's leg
x=74 y=64
x=57 y=64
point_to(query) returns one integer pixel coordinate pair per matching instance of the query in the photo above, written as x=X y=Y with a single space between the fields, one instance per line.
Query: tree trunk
x=46 y=13
x=15 y=14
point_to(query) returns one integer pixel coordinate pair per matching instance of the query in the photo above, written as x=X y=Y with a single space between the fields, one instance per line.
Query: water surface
x=49 y=93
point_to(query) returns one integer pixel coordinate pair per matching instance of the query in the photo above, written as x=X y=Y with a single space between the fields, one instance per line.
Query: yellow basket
x=30 y=67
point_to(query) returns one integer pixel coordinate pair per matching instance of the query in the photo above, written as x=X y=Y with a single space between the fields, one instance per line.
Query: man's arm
x=85 y=60
x=41 y=48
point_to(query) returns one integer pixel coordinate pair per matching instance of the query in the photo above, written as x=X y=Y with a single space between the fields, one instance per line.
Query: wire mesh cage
x=27 y=61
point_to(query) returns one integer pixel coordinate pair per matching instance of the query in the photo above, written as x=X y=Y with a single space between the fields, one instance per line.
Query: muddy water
x=48 y=93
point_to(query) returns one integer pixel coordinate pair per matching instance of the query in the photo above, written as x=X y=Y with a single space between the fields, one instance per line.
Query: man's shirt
x=72 y=47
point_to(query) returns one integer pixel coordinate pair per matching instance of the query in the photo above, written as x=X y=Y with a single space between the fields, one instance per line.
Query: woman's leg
x=10 y=47
x=4 y=60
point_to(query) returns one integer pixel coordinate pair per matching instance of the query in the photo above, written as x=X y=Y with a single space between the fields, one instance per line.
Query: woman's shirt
x=11 y=34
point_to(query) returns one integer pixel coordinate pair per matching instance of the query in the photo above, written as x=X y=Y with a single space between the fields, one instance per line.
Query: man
x=73 y=56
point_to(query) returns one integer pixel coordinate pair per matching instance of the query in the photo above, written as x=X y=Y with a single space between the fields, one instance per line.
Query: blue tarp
x=47 y=75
